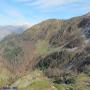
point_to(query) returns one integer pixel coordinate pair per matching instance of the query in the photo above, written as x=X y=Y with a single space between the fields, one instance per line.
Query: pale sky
x=14 y=12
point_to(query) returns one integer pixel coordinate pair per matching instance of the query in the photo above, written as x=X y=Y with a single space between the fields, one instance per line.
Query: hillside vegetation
x=51 y=55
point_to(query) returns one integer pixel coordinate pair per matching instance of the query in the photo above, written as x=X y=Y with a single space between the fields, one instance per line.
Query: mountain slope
x=43 y=38
x=59 y=48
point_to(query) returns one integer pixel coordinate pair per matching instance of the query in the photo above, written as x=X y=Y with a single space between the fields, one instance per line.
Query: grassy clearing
x=6 y=78
x=35 y=78
x=82 y=81
x=59 y=86
x=33 y=81
x=42 y=84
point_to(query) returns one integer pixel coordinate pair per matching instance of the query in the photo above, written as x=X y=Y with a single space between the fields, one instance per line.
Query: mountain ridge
x=55 y=47
x=9 y=29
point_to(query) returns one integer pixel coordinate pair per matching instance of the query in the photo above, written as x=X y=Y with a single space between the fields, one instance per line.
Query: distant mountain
x=7 y=30
x=58 y=48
